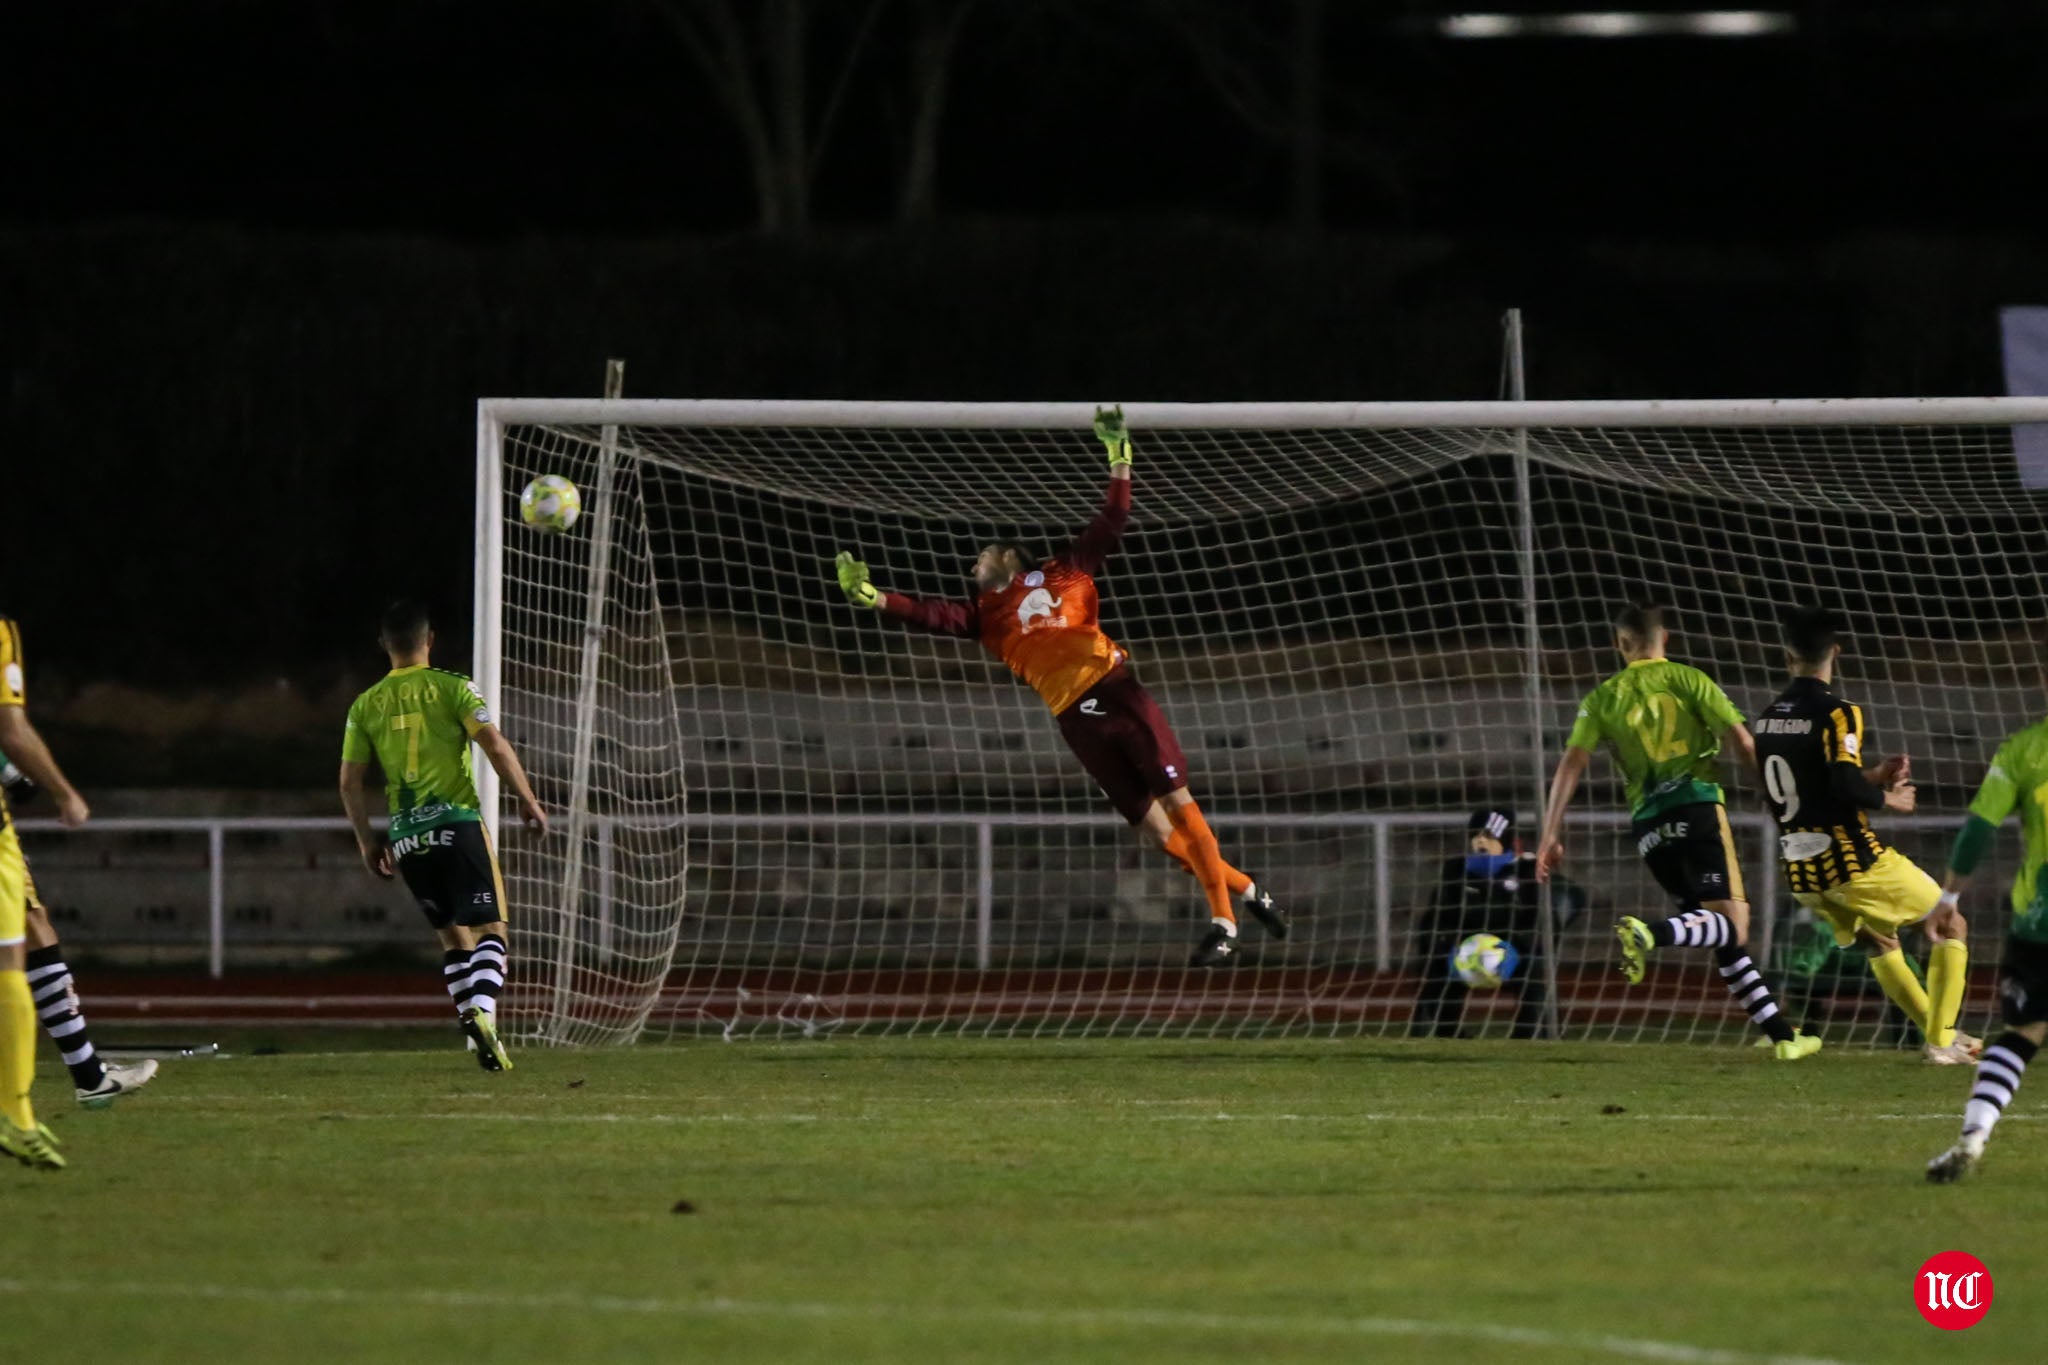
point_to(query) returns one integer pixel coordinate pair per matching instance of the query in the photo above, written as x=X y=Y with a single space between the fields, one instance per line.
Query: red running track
x=1301 y=998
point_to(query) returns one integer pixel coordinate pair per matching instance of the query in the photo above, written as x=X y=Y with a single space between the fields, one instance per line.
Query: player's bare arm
x=1885 y=786
x=1738 y=738
x=1947 y=920
x=18 y=738
x=1565 y=784
x=504 y=760
x=370 y=841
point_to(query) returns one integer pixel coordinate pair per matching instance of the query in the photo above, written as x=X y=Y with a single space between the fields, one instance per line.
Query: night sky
x=471 y=119
x=259 y=260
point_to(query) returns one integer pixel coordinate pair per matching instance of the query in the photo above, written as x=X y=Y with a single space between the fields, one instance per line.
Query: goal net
x=1364 y=622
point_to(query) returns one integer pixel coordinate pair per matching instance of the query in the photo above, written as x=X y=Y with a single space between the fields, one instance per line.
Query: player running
x=418 y=722
x=1810 y=746
x=1042 y=622
x=98 y=1082
x=2018 y=778
x=1665 y=723
x=21 y=1137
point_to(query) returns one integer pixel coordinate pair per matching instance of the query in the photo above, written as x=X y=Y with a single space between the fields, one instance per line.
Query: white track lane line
x=1133 y=1319
x=499 y=1116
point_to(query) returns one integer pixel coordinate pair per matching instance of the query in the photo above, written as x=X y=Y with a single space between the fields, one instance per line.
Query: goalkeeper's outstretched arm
x=1093 y=546
x=941 y=618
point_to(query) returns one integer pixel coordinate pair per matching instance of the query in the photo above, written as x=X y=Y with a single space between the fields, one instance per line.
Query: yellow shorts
x=13 y=888
x=1883 y=898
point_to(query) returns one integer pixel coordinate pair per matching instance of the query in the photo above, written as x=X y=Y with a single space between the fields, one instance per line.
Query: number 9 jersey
x=1810 y=746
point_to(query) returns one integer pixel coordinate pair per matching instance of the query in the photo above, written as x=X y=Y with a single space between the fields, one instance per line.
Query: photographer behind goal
x=1491 y=888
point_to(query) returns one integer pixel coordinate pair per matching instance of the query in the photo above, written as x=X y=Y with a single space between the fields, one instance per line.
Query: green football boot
x=1636 y=942
x=34 y=1148
x=482 y=1030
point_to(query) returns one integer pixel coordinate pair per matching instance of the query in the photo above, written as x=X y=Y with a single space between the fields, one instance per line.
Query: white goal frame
x=1512 y=419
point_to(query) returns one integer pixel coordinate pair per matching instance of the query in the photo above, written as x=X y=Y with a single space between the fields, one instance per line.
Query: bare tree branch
x=828 y=118
x=761 y=75
x=934 y=41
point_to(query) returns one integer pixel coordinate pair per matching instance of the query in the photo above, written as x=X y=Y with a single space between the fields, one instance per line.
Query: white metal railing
x=1381 y=826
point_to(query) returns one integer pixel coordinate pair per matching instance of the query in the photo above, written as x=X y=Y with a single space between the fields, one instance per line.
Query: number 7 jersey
x=418 y=723
x=1664 y=722
x=1824 y=834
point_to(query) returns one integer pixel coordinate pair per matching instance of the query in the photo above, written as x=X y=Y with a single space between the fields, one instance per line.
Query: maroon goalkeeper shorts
x=1122 y=739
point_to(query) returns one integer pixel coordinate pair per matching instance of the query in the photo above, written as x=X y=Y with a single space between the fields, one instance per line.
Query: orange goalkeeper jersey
x=1044 y=624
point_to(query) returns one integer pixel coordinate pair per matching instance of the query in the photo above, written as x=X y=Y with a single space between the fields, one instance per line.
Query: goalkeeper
x=1040 y=617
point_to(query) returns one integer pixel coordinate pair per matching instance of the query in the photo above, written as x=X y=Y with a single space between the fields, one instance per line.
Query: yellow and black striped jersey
x=13 y=691
x=1810 y=746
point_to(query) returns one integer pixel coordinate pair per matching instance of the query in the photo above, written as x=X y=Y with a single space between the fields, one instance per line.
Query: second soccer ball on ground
x=550 y=503
x=1483 y=962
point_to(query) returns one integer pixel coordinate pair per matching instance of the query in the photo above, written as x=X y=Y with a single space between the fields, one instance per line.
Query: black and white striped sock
x=49 y=985
x=1998 y=1078
x=1747 y=985
x=455 y=975
x=1696 y=928
x=487 y=972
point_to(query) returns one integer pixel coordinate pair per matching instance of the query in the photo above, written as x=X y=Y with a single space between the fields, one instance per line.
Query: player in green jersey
x=1665 y=723
x=418 y=723
x=2018 y=779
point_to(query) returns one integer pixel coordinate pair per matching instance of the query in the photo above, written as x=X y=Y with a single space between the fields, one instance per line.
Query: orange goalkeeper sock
x=17 y=1049
x=1177 y=847
x=1205 y=860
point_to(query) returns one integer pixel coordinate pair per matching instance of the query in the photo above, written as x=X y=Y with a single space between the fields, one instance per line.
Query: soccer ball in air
x=1483 y=962
x=550 y=503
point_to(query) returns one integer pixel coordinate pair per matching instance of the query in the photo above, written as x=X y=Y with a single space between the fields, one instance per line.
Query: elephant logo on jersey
x=1038 y=605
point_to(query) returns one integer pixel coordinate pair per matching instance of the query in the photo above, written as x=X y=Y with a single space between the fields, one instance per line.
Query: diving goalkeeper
x=1040 y=617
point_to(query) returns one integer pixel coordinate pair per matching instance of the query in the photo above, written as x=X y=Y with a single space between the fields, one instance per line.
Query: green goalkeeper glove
x=853 y=581
x=1111 y=431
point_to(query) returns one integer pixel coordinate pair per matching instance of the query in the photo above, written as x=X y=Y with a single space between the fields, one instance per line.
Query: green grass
x=1020 y=1201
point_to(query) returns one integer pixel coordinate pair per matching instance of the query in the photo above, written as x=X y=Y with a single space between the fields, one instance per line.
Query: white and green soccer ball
x=550 y=503
x=1484 y=961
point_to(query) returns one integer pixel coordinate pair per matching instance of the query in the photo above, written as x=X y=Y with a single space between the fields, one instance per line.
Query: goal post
x=1362 y=620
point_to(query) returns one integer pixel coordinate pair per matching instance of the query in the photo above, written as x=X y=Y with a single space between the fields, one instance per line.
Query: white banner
x=2024 y=332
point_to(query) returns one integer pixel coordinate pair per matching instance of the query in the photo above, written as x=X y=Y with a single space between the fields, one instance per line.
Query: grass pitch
x=899 y=1200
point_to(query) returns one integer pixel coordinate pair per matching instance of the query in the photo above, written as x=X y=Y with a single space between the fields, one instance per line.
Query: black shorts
x=2023 y=983
x=453 y=874
x=1690 y=850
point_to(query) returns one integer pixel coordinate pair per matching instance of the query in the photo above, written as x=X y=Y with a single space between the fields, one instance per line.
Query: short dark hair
x=1641 y=621
x=1810 y=632
x=1023 y=553
x=405 y=624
